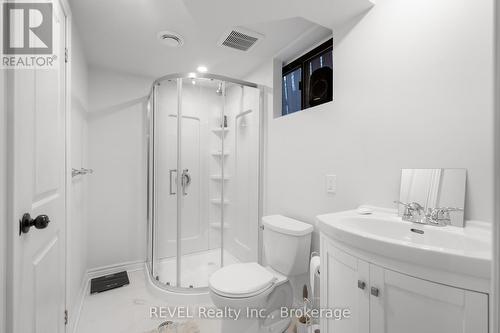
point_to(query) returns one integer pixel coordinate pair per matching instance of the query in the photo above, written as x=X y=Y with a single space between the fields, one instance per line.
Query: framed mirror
x=435 y=188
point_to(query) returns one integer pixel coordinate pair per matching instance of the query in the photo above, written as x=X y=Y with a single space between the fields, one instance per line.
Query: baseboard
x=128 y=266
x=74 y=316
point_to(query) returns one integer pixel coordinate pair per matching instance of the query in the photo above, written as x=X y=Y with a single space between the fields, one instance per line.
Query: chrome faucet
x=414 y=212
x=440 y=216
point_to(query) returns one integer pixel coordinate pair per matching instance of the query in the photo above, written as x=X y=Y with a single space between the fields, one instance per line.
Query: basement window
x=308 y=80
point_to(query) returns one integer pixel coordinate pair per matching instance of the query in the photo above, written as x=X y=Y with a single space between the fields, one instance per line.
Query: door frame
x=6 y=193
x=495 y=284
x=3 y=198
x=67 y=12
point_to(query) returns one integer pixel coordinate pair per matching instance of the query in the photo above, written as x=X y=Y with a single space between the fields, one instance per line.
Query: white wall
x=78 y=223
x=413 y=89
x=117 y=153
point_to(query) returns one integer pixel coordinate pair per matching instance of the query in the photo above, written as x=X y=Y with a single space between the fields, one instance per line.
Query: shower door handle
x=185 y=180
x=171 y=171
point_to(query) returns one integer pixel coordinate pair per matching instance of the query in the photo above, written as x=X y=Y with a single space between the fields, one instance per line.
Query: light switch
x=331 y=183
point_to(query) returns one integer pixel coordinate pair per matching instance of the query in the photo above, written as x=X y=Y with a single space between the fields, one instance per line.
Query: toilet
x=256 y=292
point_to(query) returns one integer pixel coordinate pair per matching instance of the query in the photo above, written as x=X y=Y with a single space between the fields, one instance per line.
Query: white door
x=37 y=173
x=411 y=305
x=193 y=225
x=344 y=285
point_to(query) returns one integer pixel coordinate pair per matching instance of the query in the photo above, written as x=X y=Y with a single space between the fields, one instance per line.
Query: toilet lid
x=239 y=279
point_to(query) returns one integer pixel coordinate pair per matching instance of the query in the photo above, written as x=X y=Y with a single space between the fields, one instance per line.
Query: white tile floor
x=196 y=268
x=127 y=310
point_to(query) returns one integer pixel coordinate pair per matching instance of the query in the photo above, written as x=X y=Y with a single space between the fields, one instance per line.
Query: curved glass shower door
x=204 y=179
x=164 y=182
x=200 y=244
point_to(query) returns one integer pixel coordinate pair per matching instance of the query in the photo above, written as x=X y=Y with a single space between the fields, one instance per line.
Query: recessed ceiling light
x=202 y=69
x=169 y=38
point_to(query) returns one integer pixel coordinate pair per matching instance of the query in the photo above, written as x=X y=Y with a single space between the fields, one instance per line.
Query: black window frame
x=301 y=62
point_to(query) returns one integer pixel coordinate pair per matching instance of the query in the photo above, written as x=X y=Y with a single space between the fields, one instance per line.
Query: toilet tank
x=287 y=244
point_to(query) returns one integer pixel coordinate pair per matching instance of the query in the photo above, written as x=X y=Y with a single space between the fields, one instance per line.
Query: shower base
x=196 y=268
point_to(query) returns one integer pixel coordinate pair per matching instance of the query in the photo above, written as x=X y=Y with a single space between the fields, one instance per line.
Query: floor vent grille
x=108 y=282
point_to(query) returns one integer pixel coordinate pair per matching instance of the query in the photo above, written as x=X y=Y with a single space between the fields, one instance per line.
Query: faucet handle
x=453 y=209
x=412 y=206
x=402 y=203
x=407 y=211
x=441 y=215
x=444 y=210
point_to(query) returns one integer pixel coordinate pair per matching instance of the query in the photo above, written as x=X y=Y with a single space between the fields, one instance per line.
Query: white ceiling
x=121 y=34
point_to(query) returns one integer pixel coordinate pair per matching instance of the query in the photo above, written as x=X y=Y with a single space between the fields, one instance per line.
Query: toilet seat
x=243 y=280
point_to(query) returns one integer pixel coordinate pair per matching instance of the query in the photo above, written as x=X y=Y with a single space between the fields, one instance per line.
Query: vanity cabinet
x=385 y=301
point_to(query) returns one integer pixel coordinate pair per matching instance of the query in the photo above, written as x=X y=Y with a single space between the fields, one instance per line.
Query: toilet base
x=272 y=300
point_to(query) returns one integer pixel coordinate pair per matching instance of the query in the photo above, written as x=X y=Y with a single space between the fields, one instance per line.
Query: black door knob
x=26 y=222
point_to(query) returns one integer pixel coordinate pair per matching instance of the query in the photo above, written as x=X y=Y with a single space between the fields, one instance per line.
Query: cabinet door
x=340 y=274
x=411 y=305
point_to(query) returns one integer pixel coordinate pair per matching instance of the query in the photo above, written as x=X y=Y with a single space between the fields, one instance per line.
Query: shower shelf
x=219 y=177
x=216 y=225
x=218 y=201
x=218 y=130
x=219 y=153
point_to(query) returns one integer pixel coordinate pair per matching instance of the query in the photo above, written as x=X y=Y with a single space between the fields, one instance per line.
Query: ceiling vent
x=170 y=38
x=240 y=39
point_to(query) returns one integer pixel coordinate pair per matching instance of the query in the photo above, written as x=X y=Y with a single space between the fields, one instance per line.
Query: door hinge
x=65 y=317
x=66 y=56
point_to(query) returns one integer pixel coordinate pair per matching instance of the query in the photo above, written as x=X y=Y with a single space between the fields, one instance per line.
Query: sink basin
x=454 y=249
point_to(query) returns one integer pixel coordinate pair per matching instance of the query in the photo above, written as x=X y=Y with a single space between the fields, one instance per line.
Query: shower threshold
x=196 y=268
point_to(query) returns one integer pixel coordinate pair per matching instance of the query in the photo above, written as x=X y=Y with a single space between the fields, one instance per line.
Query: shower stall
x=204 y=140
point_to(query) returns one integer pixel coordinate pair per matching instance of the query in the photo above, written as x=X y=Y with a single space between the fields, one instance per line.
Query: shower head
x=219 y=89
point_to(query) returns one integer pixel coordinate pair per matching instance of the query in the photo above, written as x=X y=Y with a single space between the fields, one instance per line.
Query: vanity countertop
x=463 y=251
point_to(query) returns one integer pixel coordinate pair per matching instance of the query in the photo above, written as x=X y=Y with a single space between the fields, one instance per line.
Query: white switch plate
x=331 y=183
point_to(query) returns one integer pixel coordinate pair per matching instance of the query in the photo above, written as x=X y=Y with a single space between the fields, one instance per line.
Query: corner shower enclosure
x=204 y=158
